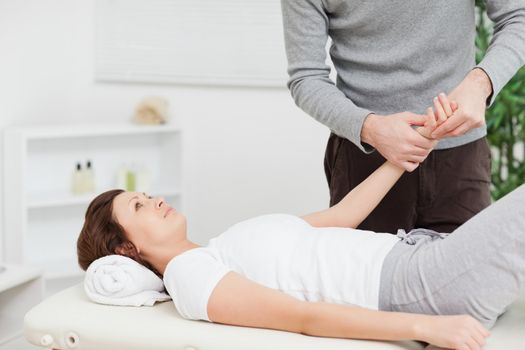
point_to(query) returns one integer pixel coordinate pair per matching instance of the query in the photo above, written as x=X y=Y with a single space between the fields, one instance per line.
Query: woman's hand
x=460 y=332
x=444 y=108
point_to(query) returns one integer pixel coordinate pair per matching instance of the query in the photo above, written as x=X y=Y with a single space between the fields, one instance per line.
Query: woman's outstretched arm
x=242 y=302
x=360 y=202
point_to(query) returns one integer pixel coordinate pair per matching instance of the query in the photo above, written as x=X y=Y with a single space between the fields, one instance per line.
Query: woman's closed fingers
x=482 y=330
x=454 y=106
x=473 y=344
x=441 y=116
x=478 y=334
x=431 y=123
x=479 y=338
x=445 y=103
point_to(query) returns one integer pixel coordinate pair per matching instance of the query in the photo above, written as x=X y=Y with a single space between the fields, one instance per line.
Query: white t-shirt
x=280 y=251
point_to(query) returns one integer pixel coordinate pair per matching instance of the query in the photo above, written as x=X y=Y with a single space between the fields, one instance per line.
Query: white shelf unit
x=42 y=217
x=20 y=289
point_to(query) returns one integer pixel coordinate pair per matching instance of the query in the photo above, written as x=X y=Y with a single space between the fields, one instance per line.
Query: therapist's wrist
x=481 y=79
x=367 y=131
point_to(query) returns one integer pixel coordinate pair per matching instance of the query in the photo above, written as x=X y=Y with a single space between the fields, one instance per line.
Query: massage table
x=69 y=320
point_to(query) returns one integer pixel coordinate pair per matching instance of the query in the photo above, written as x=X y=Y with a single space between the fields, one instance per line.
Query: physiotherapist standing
x=393 y=58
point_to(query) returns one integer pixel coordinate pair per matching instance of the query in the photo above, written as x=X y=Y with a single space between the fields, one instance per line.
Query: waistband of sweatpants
x=409 y=243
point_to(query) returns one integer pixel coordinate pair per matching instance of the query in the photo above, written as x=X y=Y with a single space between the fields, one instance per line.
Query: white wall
x=248 y=151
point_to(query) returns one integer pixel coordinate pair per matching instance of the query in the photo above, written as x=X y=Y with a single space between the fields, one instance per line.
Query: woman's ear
x=127 y=249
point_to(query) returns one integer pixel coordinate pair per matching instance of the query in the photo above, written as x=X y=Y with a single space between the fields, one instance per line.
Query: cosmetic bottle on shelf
x=89 y=178
x=77 y=180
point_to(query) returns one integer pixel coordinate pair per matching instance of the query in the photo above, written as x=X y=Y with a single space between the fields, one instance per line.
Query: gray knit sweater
x=392 y=56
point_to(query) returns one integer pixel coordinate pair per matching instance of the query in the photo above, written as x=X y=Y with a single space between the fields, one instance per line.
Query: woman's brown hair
x=102 y=235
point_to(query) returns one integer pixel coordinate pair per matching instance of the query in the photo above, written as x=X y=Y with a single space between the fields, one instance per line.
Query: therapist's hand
x=396 y=140
x=471 y=95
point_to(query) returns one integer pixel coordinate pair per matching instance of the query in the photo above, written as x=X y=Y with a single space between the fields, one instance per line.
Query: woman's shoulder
x=190 y=278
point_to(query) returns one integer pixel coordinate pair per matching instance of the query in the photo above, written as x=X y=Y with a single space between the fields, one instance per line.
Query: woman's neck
x=161 y=259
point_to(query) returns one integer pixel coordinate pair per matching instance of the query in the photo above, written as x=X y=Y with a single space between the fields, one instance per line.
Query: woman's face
x=149 y=222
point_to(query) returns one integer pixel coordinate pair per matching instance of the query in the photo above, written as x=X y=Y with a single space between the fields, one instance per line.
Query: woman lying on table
x=318 y=275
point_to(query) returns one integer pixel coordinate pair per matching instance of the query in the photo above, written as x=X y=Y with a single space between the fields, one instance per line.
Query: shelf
x=60 y=199
x=43 y=218
x=15 y=275
x=50 y=131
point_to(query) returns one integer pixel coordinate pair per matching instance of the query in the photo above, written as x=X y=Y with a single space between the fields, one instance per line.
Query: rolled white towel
x=119 y=280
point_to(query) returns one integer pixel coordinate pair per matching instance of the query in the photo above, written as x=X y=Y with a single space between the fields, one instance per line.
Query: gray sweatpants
x=479 y=269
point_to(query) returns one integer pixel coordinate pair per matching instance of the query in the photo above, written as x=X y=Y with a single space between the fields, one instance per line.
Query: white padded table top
x=69 y=320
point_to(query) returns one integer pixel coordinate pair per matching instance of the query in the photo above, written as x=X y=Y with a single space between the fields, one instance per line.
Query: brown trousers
x=447 y=189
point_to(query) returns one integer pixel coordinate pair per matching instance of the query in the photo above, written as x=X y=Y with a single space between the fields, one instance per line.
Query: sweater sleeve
x=506 y=52
x=305 y=25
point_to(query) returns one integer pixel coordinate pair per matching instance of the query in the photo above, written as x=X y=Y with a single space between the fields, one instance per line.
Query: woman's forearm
x=360 y=202
x=343 y=321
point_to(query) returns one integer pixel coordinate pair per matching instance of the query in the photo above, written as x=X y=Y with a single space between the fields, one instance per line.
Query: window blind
x=216 y=42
